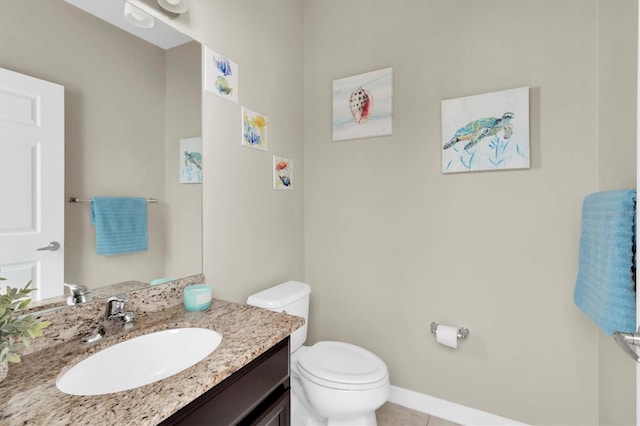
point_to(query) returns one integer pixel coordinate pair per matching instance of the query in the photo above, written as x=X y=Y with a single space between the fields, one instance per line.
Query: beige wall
x=252 y=235
x=115 y=89
x=388 y=242
x=617 y=94
x=393 y=244
x=183 y=214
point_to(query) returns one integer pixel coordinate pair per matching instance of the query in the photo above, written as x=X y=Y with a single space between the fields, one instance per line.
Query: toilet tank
x=291 y=297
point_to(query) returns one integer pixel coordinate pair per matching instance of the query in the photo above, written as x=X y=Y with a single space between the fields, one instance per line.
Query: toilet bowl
x=302 y=414
x=343 y=382
x=332 y=383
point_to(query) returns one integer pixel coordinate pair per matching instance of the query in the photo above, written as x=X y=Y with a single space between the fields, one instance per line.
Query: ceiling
x=112 y=11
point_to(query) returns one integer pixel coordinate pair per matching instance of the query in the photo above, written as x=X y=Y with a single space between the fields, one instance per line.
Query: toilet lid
x=341 y=365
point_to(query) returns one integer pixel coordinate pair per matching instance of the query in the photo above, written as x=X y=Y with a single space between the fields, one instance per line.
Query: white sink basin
x=139 y=361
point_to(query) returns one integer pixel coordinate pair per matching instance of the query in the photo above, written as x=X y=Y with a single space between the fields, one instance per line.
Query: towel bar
x=80 y=200
x=463 y=332
x=628 y=342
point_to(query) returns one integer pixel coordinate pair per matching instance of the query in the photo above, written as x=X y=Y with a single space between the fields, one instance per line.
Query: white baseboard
x=446 y=410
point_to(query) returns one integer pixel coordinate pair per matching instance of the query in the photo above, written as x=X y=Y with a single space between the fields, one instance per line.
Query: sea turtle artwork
x=194 y=158
x=477 y=130
x=191 y=160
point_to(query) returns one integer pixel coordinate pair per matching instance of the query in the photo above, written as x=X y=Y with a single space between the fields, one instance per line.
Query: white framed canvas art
x=282 y=173
x=220 y=75
x=254 y=130
x=191 y=160
x=486 y=132
x=363 y=105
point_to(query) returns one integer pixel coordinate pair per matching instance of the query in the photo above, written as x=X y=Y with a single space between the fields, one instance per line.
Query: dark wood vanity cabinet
x=257 y=394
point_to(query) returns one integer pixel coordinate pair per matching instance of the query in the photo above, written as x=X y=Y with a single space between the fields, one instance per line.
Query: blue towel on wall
x=605 y=288
x=121 y=224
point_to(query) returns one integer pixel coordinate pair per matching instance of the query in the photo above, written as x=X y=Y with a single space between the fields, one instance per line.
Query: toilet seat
x=342 y=366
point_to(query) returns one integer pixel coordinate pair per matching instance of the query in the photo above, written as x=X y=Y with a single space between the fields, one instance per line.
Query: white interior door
x=31 y=183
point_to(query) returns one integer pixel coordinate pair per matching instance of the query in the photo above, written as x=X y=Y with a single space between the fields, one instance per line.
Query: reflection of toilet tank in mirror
x=108 y=153
x=341 y=381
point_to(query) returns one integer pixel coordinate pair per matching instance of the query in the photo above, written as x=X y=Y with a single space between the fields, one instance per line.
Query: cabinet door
x=245 y=397
x=278 y=414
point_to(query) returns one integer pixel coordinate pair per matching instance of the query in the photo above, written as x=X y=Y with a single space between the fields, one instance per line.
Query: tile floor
x=391 y=414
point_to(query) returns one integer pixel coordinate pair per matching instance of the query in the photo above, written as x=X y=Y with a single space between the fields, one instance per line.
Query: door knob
x=53 y=246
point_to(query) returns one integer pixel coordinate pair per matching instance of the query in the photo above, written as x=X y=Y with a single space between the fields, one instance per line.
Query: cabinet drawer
x=235 y=398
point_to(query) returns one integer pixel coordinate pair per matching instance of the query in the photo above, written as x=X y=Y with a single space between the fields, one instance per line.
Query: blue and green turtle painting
x=477 y=130
x=499 y=141
x=192 y=170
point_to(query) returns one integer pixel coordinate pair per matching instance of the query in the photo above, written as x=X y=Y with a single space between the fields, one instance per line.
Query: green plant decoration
x=16 y=331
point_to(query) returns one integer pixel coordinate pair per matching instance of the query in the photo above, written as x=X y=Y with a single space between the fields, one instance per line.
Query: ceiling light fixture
x=174 y=6
x=137 y=17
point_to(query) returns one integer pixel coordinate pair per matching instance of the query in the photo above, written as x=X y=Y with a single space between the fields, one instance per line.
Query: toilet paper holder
x=463 y=332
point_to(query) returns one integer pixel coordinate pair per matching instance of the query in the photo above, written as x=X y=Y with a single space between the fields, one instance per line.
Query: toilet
x=332 y=383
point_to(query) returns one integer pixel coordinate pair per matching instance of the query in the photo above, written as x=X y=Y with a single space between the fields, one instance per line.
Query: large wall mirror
x=128 y=104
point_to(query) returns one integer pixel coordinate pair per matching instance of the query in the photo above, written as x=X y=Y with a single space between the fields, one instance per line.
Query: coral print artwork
x=363 y=105
x=282 y=173
x=254 y=130
x=486 y=132
x=221 y=75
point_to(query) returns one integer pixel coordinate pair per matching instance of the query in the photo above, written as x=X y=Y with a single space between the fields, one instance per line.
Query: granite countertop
x=29 y=396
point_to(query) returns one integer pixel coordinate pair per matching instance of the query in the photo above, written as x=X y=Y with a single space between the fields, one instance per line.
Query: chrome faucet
x=115 y=310
x=115 y=320
x=77 y=294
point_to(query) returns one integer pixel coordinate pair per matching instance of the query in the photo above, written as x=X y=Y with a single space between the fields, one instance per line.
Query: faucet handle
x=115 y=306
x=78 y=293
x=76 y=288
x=114 y=314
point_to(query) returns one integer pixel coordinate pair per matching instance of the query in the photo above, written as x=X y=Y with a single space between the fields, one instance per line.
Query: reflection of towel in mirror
x=121 y=224
x=605 y=288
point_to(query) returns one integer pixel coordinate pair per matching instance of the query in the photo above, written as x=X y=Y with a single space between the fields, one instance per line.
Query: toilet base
x=303 y=415
x=368 y=419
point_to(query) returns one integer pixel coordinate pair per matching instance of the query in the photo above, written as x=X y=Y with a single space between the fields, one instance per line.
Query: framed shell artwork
x=363 y=105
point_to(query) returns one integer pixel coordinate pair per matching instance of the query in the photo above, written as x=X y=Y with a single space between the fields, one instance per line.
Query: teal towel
x=605 y=290
x=121 y=224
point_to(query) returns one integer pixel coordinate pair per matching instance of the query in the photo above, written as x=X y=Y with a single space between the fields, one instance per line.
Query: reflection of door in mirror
x=31 y=183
